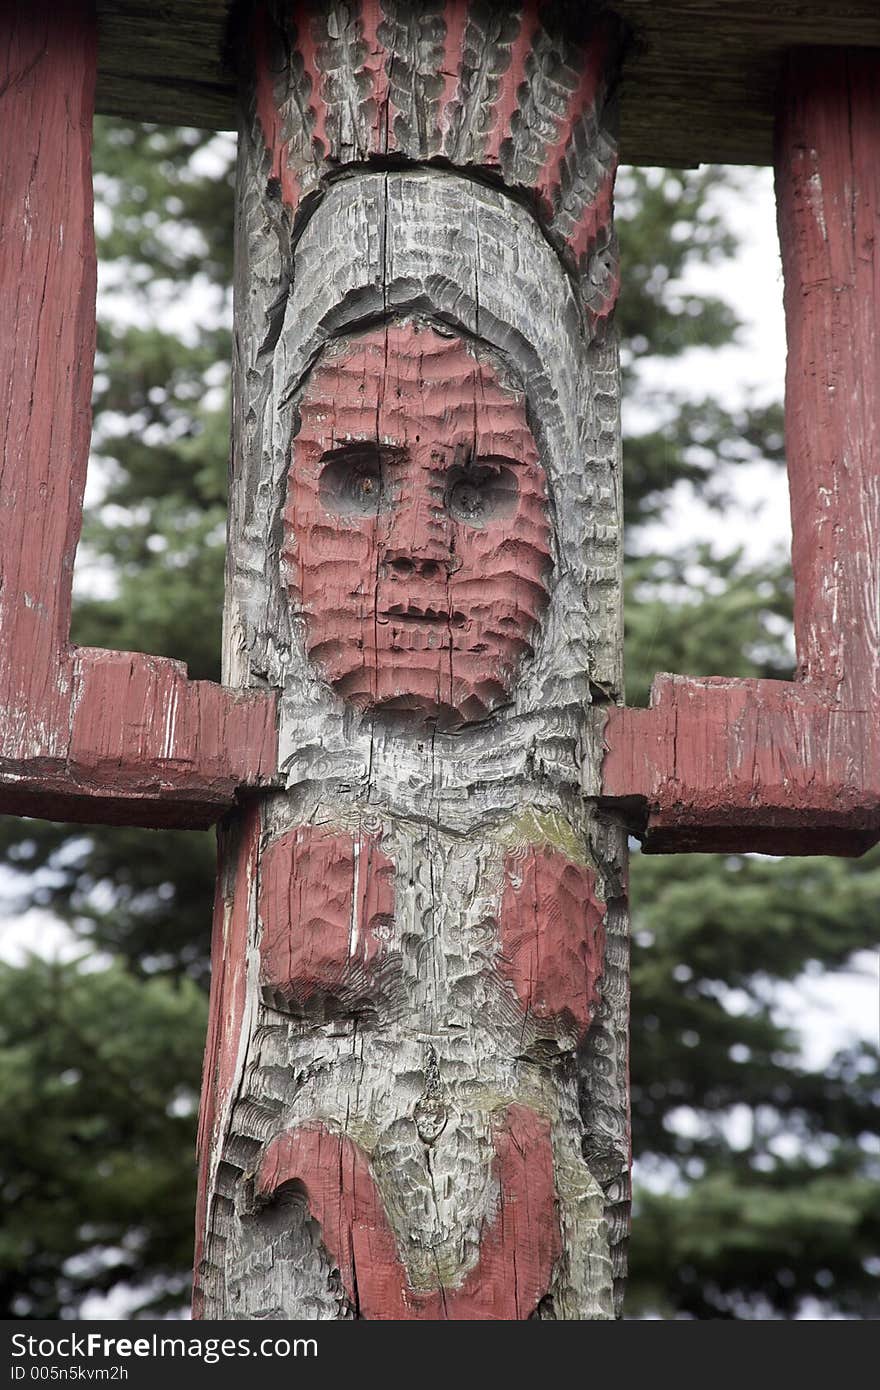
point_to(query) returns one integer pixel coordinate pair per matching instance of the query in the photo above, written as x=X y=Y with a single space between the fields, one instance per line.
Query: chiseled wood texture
x=415 y=1097
x=177 y=65
x=449 y=525
x=84 y=734
x=795 y=768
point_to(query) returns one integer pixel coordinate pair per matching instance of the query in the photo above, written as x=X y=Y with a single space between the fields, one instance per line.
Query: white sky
x=750 y=371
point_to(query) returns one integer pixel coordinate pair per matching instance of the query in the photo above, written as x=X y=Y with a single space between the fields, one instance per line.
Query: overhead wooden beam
x=700 y=76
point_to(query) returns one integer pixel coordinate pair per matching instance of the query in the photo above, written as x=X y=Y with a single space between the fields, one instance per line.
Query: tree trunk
x=415 y=1099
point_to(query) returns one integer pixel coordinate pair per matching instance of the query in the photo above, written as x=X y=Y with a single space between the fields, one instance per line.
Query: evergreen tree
x=757 y=1190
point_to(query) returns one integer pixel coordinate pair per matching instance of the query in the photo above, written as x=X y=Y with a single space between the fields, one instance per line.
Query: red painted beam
x=720 y=764
x=828 y=194
x=84 y=735
x=47 y=347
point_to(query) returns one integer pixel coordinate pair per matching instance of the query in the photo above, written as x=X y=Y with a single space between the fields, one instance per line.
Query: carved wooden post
x=416 y=1091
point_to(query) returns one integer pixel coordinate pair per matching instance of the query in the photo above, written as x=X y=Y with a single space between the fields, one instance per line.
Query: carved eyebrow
x=501 y=460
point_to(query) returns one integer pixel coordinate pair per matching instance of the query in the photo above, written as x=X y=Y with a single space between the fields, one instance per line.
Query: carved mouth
x=398 y=613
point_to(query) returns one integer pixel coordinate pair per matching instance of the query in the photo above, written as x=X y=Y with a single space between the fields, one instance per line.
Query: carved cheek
x=326 y=903
x=504 y=569
x=552 y=937
x=329 y=567
x=501 y=589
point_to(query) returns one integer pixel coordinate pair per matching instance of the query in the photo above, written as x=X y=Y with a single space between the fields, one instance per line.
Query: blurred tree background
x=756 y=1192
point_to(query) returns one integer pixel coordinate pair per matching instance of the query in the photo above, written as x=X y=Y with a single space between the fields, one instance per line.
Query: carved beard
x=416 y=539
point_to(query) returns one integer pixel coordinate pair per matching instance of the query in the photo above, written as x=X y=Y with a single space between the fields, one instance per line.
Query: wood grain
x=47 y=346
x=717 y=764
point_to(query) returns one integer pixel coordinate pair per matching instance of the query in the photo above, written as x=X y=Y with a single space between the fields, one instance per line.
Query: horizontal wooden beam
x=700 y=79
x=730 y=765
x=135 y=742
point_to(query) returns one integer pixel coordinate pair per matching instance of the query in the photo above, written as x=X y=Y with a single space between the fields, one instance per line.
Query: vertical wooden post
x=47 y=347
x=828 y=191
x=415 y=1095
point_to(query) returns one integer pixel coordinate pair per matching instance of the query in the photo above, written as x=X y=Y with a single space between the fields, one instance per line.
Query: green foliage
x=755 y=1178
x=792 y=1236
x=668 y=222
x=700 y=614
x=99 y=1079
x=161 y=398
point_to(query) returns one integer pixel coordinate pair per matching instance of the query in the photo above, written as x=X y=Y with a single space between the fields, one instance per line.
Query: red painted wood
x=458 y=600
x=47 y=346
x=581 y=103
x=376 y=74
x=84 y=735
x=552 y=937
x=326 y=897
x=508 y=98
x=828 y=193
x=523 y=1234
x=724 y=764
x=308 y=47
x=269 y=115
x=453 y=45
x=238 y=848
x=766 y=765
x=141 y=725
x=140 y=745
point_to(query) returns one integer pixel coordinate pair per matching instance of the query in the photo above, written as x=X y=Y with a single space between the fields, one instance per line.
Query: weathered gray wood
x=431 y=1122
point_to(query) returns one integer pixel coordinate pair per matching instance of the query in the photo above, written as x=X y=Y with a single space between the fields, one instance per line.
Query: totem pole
x=415 y=1096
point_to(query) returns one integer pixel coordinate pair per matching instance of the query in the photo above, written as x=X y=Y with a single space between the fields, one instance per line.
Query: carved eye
x=466 y=503
x=482 y=492
x=351 y=481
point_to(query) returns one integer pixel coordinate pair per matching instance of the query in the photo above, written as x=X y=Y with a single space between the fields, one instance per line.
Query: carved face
x=416 y=537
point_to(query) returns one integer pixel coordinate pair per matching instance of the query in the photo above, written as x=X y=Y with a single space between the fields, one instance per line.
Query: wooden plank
x=828 y=194
x=728 y=765
x=177 y=65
